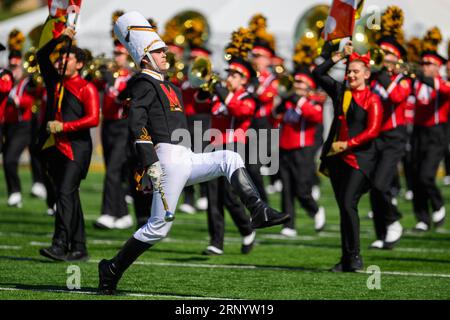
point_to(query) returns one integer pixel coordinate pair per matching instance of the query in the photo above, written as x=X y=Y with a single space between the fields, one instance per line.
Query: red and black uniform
x=6 y=84
x=231 y=117
x=114 y=135
x=197 y=113
x=357 y=123
x=265 y=93
x=299 y=122
x=429 y=141
x=67 y=155
x=17 y=130
x=393 y=91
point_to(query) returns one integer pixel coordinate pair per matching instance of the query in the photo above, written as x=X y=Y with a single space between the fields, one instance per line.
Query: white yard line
x=145 y=295
x=253 y=267
x=6 y=247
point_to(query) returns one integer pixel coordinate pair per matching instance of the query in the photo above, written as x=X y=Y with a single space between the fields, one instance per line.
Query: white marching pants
x=182 y=167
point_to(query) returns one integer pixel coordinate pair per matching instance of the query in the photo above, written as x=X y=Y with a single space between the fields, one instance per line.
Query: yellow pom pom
x=16 y=40
x=432 y=39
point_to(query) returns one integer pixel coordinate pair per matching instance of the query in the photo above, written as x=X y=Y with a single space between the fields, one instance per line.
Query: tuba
x=201 y=75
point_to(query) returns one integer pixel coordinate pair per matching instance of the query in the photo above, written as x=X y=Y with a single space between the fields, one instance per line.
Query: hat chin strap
x=152 y=62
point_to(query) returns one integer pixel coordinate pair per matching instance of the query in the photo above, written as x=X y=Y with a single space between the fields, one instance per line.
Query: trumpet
x=201 y=75
x=376 y=59
x=285 y=85
x=408 y=69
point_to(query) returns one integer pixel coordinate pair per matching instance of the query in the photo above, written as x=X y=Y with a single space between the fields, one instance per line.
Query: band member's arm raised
x=331 y=86
x=48 y=70
x=91 y=107
x=142 y=96
x=375 y=115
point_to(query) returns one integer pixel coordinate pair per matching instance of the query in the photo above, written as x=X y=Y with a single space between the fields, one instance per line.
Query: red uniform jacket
x=112 y=107
x=235 y=114
x=19 y=108
x=431 y=103
x=394 y=100
x=299 y=124
x=191 y=105
x=6 y=84
x=266 y=92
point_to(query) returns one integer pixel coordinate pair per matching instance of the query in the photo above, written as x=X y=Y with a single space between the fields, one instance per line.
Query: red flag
x=341 y=20
x=60 y=8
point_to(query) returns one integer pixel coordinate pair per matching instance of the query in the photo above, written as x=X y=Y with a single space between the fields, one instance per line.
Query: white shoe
x=270 y=189
x=421 y=226
x=319 y=219
x=315 y=193
x=438 y=217
x=202 y=204
x=394 y=201
x=394 y=232
x=105 y=221
x=248 y=240
x=124 y=222
x=447 y=181
x=211 y=250
x=50 y=212
x=278 y=186
x=377 y=244
x=15 y=200
x=370 y=214
x=288 y=232
x=187 y=208
x=129 y=199
x=264 y=171
x=38 y=190
x=409 y=195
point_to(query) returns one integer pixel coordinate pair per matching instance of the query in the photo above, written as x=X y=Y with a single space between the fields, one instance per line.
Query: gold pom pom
x=258 y=26
x=241 y=43
x=16 y=40
x=432 y=39
x=306 y=51
x=392 y=23
x=115 y=15
x=413 y=50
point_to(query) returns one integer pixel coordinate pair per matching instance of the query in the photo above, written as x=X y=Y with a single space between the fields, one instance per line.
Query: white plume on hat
x=137 y=35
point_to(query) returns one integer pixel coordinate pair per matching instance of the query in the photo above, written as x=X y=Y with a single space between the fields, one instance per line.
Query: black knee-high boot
x=110 y=271
x=262 y=216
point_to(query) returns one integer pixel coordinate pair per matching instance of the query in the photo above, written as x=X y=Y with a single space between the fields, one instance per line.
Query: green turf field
x=277 y=268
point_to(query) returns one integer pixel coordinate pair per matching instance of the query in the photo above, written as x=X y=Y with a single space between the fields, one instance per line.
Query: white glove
x=155 y=173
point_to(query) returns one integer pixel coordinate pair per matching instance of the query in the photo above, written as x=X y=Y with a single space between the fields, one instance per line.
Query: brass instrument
x=201 y=75
x=285 y=85
x=95 y=68
x=31 y=67
x=408 y=69
x=176 y=67
x=376 y=58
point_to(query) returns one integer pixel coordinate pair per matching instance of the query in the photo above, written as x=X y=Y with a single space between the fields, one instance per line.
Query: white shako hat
x=138 y=36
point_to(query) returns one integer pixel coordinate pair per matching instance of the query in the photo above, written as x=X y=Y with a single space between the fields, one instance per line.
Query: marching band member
x=196 y=112
x=114 y=136
x=429 y=136
x=66 y=143
x=156 y=111
x=232 y=108
x=6 y=84
x=300 y=116
x=393 y=89
x=349 y=154
x=17 y=118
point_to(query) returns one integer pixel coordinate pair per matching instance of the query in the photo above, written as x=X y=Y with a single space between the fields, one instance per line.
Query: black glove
x=107 y=76
x=384 y=78
x=221 y=91
x=203 y=95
